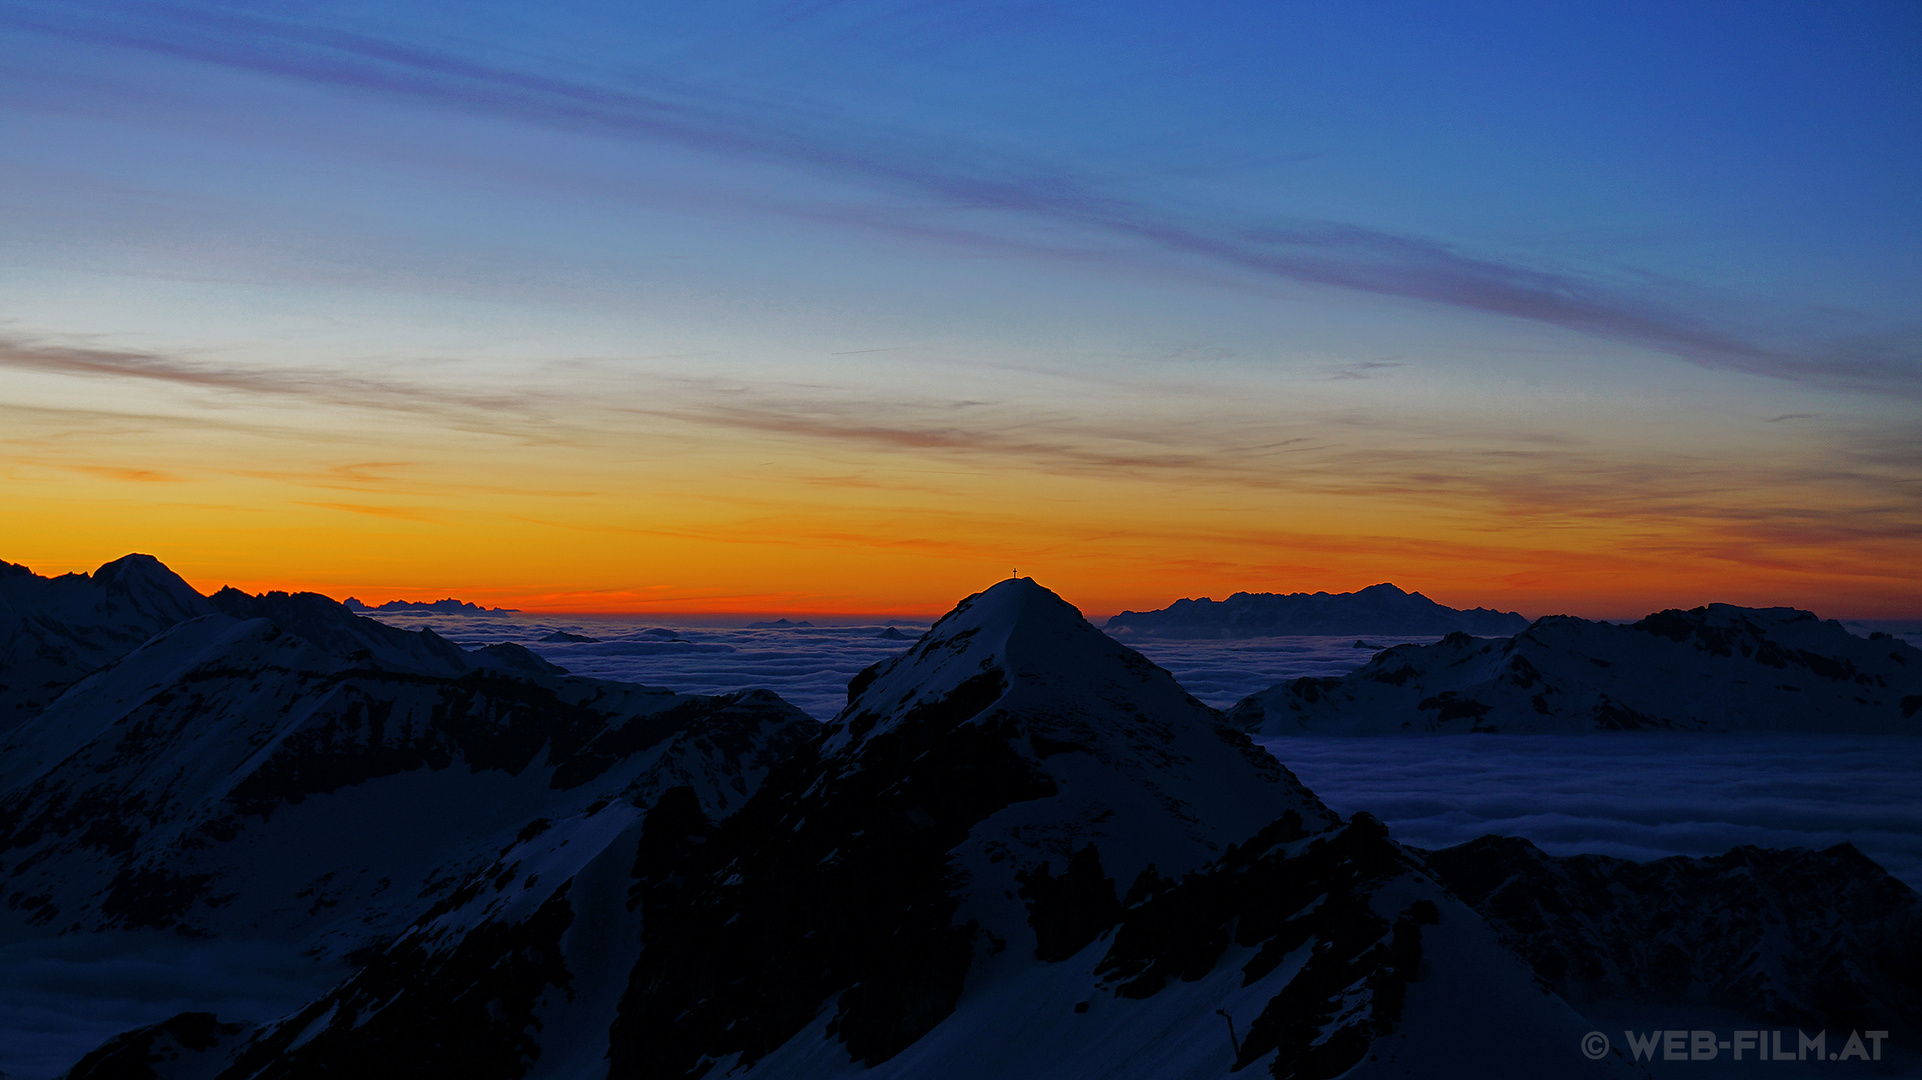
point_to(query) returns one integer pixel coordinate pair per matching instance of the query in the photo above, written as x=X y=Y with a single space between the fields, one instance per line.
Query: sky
x=839 y=307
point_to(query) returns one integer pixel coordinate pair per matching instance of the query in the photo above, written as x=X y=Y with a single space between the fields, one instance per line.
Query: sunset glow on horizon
x=851 y=310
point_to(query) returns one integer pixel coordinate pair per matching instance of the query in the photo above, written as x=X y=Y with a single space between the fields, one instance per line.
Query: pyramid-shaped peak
x=1007 y=604
x=1014 y=673
x=1014 y=648
x=135 y=567
x=1017 y=628
x=151 y=587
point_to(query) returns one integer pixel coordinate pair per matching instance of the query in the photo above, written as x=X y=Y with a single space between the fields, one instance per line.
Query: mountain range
x=1713 y=668
x=1020 y=849
x=1379 y=610
x=280 y=769
x=449 y=606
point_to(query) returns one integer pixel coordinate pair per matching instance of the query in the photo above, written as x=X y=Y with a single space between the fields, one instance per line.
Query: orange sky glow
x=677 y=311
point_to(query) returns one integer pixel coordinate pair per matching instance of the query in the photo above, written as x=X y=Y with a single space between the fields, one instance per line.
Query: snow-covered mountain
x=234 y=777
x=55 y=630
x=1020 y=850
x=1715 y=668
x=1379 y=610
x=1797 y=938
x=1012 y=735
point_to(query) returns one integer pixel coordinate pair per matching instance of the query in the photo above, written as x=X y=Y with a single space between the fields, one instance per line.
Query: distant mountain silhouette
x=1381 y=610
x=449 y=606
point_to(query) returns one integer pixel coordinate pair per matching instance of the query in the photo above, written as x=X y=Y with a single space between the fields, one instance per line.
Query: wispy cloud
x=1852 y=490
x=856 y=425
x=968 y=193
x=332 y=386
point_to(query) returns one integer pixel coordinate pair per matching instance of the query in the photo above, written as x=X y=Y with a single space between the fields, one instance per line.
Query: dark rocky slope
x=1798 y=938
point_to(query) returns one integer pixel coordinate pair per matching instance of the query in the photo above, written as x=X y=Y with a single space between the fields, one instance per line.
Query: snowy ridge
x=55 y=630
x=1381 y=610
x=1716 y=668
x=332 y=627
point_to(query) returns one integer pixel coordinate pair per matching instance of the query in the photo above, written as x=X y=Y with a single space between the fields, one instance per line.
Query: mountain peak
x=999 y=611
x=1012 y=740
x=1015 y=644
x=151 y=587
x=1017 y=664
x=55 y=630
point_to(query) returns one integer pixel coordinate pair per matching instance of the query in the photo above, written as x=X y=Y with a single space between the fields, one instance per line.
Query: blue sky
x=1635 y=281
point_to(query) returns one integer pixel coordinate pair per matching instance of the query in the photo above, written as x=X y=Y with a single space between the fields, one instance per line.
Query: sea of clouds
x=1633 y=795
x=811 y=665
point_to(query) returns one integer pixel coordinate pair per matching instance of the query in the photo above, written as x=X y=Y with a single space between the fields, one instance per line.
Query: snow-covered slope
x=1329 y=954
x=1379 y=610
x=1718 y=668
x=55 y=630
x=1294 y=956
